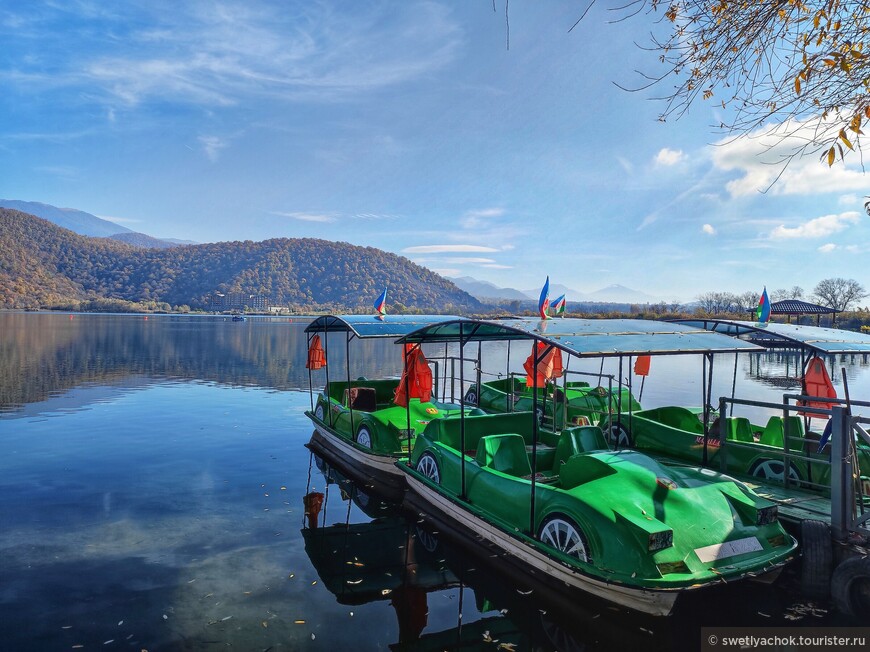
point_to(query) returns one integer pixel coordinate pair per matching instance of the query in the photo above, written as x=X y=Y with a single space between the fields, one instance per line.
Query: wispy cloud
x=217 y=55
x=212 y=145
x=469 y=260
x=480 y=218
x=448 y=248
x=709 y=229
x=827 y=248
x=306 y=217
x=819 y=227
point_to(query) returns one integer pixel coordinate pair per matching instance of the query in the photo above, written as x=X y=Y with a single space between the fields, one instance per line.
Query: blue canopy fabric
x=366 y=326
x=587 y=337
x=815 y=338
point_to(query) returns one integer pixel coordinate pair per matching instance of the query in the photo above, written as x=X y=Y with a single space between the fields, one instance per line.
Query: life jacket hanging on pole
x=416 y=381
x=549 y=366
x=817 y=383
x=316 y=356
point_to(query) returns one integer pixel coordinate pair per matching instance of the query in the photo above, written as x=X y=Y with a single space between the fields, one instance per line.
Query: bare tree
x=719 y=302
x=795 y=292
x=839 y=293
x=748 y=300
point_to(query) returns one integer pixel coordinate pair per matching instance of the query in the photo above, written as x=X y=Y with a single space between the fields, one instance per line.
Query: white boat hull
x=378 y=472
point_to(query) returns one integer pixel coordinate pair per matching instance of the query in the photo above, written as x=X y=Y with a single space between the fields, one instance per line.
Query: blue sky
x=410 y=126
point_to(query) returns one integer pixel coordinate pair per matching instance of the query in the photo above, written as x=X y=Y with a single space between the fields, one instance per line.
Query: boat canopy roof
x=771 y=334
x=587 y=337
x=365 y=326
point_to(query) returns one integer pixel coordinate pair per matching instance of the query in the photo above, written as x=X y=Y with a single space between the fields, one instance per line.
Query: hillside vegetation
x=42 y=264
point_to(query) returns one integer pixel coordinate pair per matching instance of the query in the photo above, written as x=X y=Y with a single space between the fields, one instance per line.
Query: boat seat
x=739 y=429
x=364 y=399
x=774 y=431
x=505 y=453
x=572 y=441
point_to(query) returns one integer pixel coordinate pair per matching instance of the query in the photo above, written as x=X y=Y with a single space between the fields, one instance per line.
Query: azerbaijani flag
x=762 y=313
x=380 y=304
x=558 y=306
x=544 y=300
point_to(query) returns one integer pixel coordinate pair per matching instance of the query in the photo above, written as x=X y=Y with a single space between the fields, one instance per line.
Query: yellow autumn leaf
x=831 y=157
x=845 y=140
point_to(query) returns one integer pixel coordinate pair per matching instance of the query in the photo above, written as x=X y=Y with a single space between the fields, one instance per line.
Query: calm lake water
x=152 y=475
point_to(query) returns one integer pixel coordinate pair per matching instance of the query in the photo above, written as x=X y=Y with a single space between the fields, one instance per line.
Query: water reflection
x=42 y=356
x=386 y=556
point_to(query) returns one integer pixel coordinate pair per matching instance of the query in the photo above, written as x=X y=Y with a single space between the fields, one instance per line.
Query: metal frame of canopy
x=815 y=339
x=828 y=341
x=582 y=338
x=364 y=327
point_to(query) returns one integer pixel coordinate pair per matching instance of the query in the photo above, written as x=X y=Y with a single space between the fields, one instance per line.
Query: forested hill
x=43 y=264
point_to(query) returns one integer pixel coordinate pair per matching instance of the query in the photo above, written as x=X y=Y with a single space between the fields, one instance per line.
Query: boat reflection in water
x=393 y=558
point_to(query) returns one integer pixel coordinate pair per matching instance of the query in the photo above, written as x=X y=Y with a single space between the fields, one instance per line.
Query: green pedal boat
x=616 y=524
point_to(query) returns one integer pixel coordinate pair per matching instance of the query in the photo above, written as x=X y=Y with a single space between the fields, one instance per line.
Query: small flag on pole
x=762 y=313
x=544 y=300
x=558 y=306
x=380 y=304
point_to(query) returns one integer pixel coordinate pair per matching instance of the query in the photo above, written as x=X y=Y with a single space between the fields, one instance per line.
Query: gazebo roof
x=797 y=307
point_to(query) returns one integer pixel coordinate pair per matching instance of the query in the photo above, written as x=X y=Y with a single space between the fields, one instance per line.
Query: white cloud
x=625 y=164
x=446 y=271
x=496 y=266
x=668 y=157
x=819 y=227
x=477 y=219
x=762 y=159
x=212 y=145
x=827 y=248
x=448 y=248
x=306 y=217
x=709 y=229
x=848 y=200
x=469 y=260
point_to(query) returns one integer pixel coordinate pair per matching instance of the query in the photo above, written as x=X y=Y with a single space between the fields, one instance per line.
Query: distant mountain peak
x=69 y=218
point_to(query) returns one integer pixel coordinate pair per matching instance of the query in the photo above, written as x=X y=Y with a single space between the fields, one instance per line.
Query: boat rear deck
x=795 y=505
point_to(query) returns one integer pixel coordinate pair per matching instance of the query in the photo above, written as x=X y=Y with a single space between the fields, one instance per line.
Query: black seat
x=364 y=399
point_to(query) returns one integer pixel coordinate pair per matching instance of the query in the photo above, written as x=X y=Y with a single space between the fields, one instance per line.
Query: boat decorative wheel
x=471 y=397
x=427 y=538
x=774 y=470
x=565 y=537
x=427 y=466
x=364 y=437
x=618 y=434
x=318 y=411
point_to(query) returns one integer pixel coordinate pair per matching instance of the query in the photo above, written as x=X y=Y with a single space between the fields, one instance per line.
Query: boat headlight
x=767 y=515
x=661 y=540
x=669 y=567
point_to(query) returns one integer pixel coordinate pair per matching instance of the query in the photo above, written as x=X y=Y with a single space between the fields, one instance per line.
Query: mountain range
x=42 y=264
x=486 y=291
x=87 y=224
